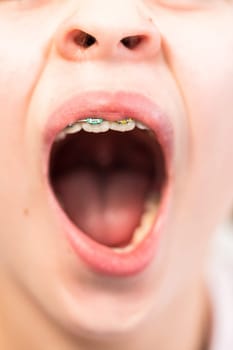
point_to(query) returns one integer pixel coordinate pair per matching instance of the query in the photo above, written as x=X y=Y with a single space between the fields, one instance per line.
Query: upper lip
x=101 y=103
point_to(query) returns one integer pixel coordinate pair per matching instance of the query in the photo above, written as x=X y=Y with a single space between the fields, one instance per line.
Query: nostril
x=83 y=39
x=132 y=42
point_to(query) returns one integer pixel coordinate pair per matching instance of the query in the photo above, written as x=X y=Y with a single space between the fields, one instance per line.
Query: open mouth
x=108 y=178
x=108 y=175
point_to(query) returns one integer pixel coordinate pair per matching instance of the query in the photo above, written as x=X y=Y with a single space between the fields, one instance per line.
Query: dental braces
x=99 y=121
x=97 y=124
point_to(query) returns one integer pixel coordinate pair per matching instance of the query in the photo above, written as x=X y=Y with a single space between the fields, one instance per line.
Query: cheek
x=22 y=56
x=21 y=61
x=201 y=61
x=23 y=52
x=208 y=92
x=207 y=86
x=18 y=71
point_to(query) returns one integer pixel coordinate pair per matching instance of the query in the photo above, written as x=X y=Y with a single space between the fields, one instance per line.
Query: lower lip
x=102 y=259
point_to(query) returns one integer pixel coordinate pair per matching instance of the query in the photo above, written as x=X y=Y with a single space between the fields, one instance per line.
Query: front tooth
x=101 y=127
x=123 y=125
x=94 y=121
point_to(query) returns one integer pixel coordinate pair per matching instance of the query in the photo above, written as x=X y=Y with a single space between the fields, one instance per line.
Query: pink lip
x=99 y=258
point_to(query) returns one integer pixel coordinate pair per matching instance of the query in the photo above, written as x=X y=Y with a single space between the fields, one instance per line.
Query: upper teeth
x=98 y=124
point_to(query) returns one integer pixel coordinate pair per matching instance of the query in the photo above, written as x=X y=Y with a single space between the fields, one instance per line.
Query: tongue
x=107 y=207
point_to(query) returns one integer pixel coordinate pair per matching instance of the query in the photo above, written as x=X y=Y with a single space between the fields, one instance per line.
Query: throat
x=106 y=205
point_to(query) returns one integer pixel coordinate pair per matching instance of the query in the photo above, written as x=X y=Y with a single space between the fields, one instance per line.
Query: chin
x=94 y=314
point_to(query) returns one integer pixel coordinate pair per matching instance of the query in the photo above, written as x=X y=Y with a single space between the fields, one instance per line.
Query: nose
x=101 y=29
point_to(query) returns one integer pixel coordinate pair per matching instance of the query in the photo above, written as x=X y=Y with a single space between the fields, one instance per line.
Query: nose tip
x=131 y=37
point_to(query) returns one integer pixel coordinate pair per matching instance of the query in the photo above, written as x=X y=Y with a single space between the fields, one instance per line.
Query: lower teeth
x=147 y=219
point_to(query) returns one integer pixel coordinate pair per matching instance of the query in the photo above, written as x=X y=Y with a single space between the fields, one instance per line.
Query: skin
x=49 y=299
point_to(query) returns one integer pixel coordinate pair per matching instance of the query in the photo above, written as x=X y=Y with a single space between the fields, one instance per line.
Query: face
x=167 y=64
